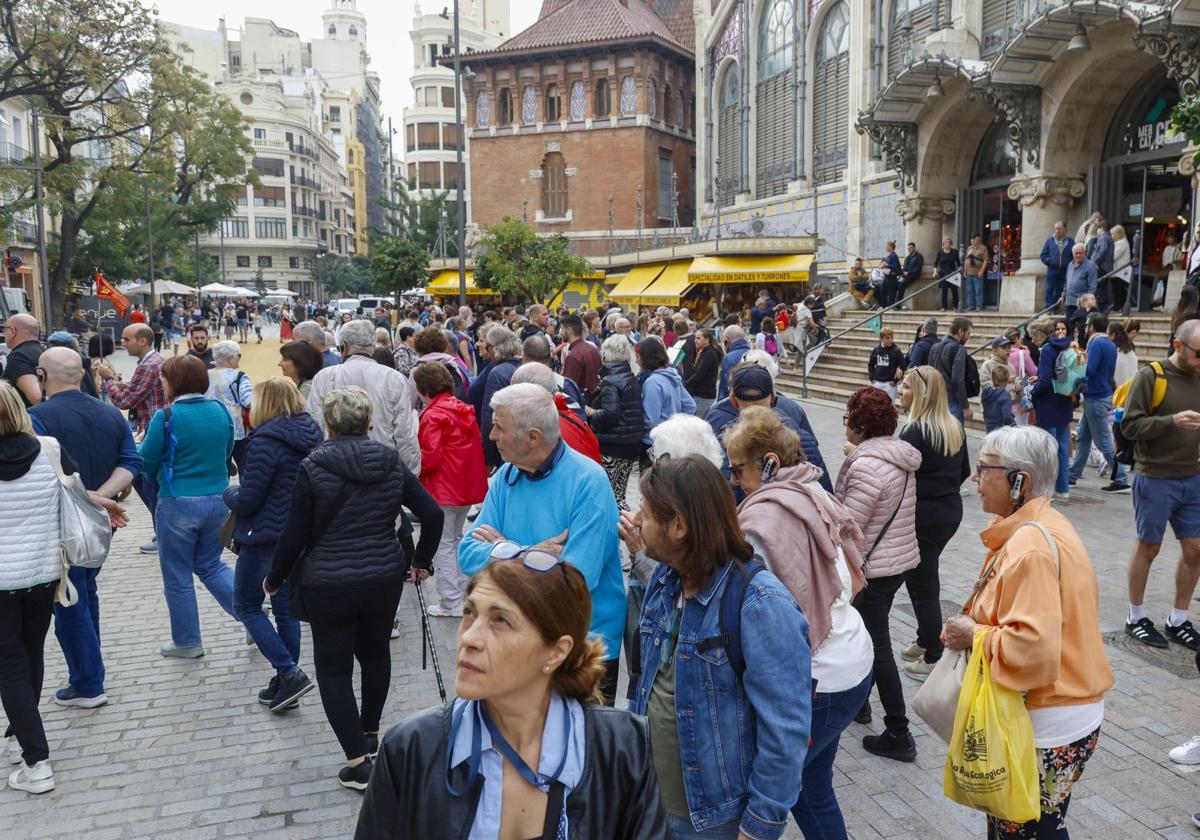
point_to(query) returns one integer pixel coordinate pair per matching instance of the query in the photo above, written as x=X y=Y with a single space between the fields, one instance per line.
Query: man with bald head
x=24 y=350
x=98 y=440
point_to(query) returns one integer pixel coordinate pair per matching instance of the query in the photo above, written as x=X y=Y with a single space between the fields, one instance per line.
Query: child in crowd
x=997 y=399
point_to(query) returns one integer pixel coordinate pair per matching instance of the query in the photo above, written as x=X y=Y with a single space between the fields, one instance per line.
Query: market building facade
x=915 y=120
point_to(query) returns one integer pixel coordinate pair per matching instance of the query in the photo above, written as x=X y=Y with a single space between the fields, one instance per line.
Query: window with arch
x=528 y=105
x=628 y=97
x=729 y=135
x=652 y=99
x=353 y=31
x=831 y=90
x=578 y=101
x=554 y=186
x=553 y=104
x=332 y=29
x=505 y=115
x=775 y=100
x=668 y=110
x=602 y=106
x=483 y=110
x=680 y=108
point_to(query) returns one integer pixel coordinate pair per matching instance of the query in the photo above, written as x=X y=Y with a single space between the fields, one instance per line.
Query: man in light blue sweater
x=548 y=496
x=1095 y=426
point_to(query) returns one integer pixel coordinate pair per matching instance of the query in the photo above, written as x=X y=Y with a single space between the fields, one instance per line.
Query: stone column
x=924 y=216
x=1045 y=199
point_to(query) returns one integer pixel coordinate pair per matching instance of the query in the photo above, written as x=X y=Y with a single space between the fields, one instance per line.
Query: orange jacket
x=1043 y=637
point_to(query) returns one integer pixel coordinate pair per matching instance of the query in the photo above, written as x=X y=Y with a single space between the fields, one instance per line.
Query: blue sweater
x=93 y=433
x=1053 y=410
x=574 y=496
x=197 y=458
x=737 y=351
x=663 y=396
x=1101 y=368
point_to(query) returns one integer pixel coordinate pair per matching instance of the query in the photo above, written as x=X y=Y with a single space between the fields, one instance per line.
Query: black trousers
x=350 y=625
x=888 y=291
x=874 y=604
x=24 y=621
x=949 y=292
x=925 y=588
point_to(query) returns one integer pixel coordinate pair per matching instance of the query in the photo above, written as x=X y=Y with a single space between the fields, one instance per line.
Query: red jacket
x=452 y=467
x=576 y=433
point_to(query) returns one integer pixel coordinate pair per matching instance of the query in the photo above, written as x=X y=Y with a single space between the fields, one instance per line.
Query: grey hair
x=530 y=407
x=347 y=411
x=358 y=335
x=1187 y=330
x=616 y=350
x=383 y=335
x=536 y=348
x=733 y=333
x=764 y=360
x=930 y=326
x=610 y=321
x=330 y=341
x=1029 y=449
x=538 y=374
x=506 y=344
x=683 y=435
x=225 y=352
x=309 y=331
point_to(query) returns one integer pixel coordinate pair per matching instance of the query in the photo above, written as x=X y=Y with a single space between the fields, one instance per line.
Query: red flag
x=107 y=291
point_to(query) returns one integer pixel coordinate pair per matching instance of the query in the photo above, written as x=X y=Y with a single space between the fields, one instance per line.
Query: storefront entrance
x=984 y=208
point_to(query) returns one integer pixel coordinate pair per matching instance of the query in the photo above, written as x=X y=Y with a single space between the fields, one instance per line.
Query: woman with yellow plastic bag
x=1036 y=636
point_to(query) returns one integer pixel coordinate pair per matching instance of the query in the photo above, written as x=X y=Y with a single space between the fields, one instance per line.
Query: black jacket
x=884 y=363
x=918 y=354
x=939 y=479
x=617 y=797
x=618 y=421
x=701 y=380
x=957 y=367
x=359 y=547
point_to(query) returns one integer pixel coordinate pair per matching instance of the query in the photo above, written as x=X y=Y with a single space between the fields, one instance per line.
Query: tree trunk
x=60 y=277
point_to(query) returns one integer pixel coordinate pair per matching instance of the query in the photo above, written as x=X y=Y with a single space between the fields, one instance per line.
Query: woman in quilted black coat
x=284 y=433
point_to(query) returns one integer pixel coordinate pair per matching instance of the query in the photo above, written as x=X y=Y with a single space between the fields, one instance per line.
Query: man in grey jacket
x=393 y=419
x=952 y=360
x=1081 y=279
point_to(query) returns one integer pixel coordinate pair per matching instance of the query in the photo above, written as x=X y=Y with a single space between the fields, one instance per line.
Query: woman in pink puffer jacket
x=878 y=484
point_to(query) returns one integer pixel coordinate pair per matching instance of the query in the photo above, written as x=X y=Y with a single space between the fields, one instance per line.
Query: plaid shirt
x=143 y=394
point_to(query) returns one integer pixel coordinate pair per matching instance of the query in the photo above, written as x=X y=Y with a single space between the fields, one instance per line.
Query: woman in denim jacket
x=729 y=748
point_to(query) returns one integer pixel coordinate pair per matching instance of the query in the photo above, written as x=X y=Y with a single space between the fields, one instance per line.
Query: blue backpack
x=730 y=616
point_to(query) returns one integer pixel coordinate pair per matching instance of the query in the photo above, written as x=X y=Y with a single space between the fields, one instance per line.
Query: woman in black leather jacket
x=701 y=380
x=583 y=771
x=615 y=415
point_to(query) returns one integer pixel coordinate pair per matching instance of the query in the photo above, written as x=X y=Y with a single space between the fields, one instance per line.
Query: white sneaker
x=1188 y=753
x=1062 y=497
x=36 y=779
x=912 y=653
x=13 y=750
x=438 y=611
x=396 y=629
x=919 y=669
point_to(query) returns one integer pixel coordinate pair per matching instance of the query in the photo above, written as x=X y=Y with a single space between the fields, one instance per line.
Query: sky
x=388 y=24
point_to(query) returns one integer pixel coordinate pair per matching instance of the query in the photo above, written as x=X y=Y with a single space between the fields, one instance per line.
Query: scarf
x=801 y=527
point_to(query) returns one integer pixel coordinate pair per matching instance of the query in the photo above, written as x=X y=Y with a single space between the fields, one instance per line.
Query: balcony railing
x=12 y=153
x=303 y=181
x=305 y=211
x=307 y=151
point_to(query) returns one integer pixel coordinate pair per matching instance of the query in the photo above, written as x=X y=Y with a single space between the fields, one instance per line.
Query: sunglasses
x=532 y=558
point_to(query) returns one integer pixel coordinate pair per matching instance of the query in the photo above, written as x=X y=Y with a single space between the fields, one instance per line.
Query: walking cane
x=428 y=643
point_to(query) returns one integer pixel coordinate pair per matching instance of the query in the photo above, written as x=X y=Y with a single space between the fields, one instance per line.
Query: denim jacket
x=742 y=744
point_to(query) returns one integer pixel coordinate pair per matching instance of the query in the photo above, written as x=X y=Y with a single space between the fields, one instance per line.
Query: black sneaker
x=1185 y=634
x=864 y=714
x=1072 y=481
x=898 y=746
x=1116 y=487
x=291 y=688
x=1146 y=633
x=356 y=778
x=372 y=739
x=267 y=695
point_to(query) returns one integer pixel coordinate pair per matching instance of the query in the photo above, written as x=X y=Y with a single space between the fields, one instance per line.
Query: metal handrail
x=875 y=313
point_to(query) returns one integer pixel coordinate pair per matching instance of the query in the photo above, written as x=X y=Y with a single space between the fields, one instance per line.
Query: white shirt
x=1127 y=365
x=1057 y=726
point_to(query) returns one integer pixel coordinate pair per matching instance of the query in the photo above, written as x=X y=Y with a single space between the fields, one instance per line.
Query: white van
x=346 y=305
x=368 y=305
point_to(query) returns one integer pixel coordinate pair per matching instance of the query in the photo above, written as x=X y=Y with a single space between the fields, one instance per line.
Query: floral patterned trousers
x=1061 y=769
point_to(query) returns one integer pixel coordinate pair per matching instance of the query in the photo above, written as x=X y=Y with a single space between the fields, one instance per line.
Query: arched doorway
x=984 y=208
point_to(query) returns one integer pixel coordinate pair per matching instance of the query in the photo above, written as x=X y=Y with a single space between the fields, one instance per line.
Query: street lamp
x=461 y=137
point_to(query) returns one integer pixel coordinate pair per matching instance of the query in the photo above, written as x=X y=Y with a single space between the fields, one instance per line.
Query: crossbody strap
x=318 y=533
x=891 y=519
x=987 y=572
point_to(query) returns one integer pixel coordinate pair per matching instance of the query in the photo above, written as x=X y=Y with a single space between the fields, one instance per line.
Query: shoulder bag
x=299 y=610
x=937 y=700
x=84 y=527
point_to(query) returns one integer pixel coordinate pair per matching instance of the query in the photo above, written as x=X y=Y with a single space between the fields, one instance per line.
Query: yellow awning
x=446 y=283
x=670 y=286
x=791 y=268
x=630 y=288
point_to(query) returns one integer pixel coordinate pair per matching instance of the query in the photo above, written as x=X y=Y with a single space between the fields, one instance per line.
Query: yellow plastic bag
x=991 y=764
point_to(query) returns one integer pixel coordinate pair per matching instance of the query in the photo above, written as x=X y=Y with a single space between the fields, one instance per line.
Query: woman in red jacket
x=452 y=471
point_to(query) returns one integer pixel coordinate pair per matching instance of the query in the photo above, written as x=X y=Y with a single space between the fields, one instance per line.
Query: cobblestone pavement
x=183 y=750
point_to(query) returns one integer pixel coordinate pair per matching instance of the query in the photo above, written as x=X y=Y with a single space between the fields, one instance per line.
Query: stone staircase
x=842 y=367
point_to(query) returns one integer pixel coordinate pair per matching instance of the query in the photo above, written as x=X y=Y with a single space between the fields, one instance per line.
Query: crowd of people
x=495 y=450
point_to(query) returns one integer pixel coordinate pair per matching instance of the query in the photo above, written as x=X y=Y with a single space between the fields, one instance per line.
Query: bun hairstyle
x=558 y=604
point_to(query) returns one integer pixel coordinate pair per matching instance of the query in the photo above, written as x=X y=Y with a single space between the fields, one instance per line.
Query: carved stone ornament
x=1020 y=106
x=1187 y=163
x=1179 y=49
x=898 y=141
x=926 y=208
x=535 y=173
x=1039 y=190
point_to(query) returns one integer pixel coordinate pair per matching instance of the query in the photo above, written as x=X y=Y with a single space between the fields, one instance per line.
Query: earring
x=546 y=668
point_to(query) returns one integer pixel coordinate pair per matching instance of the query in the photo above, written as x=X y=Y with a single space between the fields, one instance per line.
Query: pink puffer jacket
x=871 y=484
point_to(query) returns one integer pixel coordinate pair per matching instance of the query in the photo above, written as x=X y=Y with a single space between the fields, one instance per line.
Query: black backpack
x=730 y=617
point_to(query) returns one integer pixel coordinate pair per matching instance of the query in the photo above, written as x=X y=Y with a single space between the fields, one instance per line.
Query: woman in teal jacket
x=186 y=449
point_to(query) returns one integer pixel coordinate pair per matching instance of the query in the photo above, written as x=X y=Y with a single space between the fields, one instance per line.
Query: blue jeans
x=279 y=644
x=974 y=292
x=1062 y=434
x=1054 y=287
x=957 y=411
x=78 y=632
x=189 y=543
x=681 y=829
x=1095 y=425
x=816 y=811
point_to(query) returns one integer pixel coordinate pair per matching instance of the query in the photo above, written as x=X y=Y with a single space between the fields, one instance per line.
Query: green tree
x=182 y=264
x=398 y=264
x=1185 y=119
x=338 y=276
x=416 y=217
x=260 y=285
x=518 y=262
